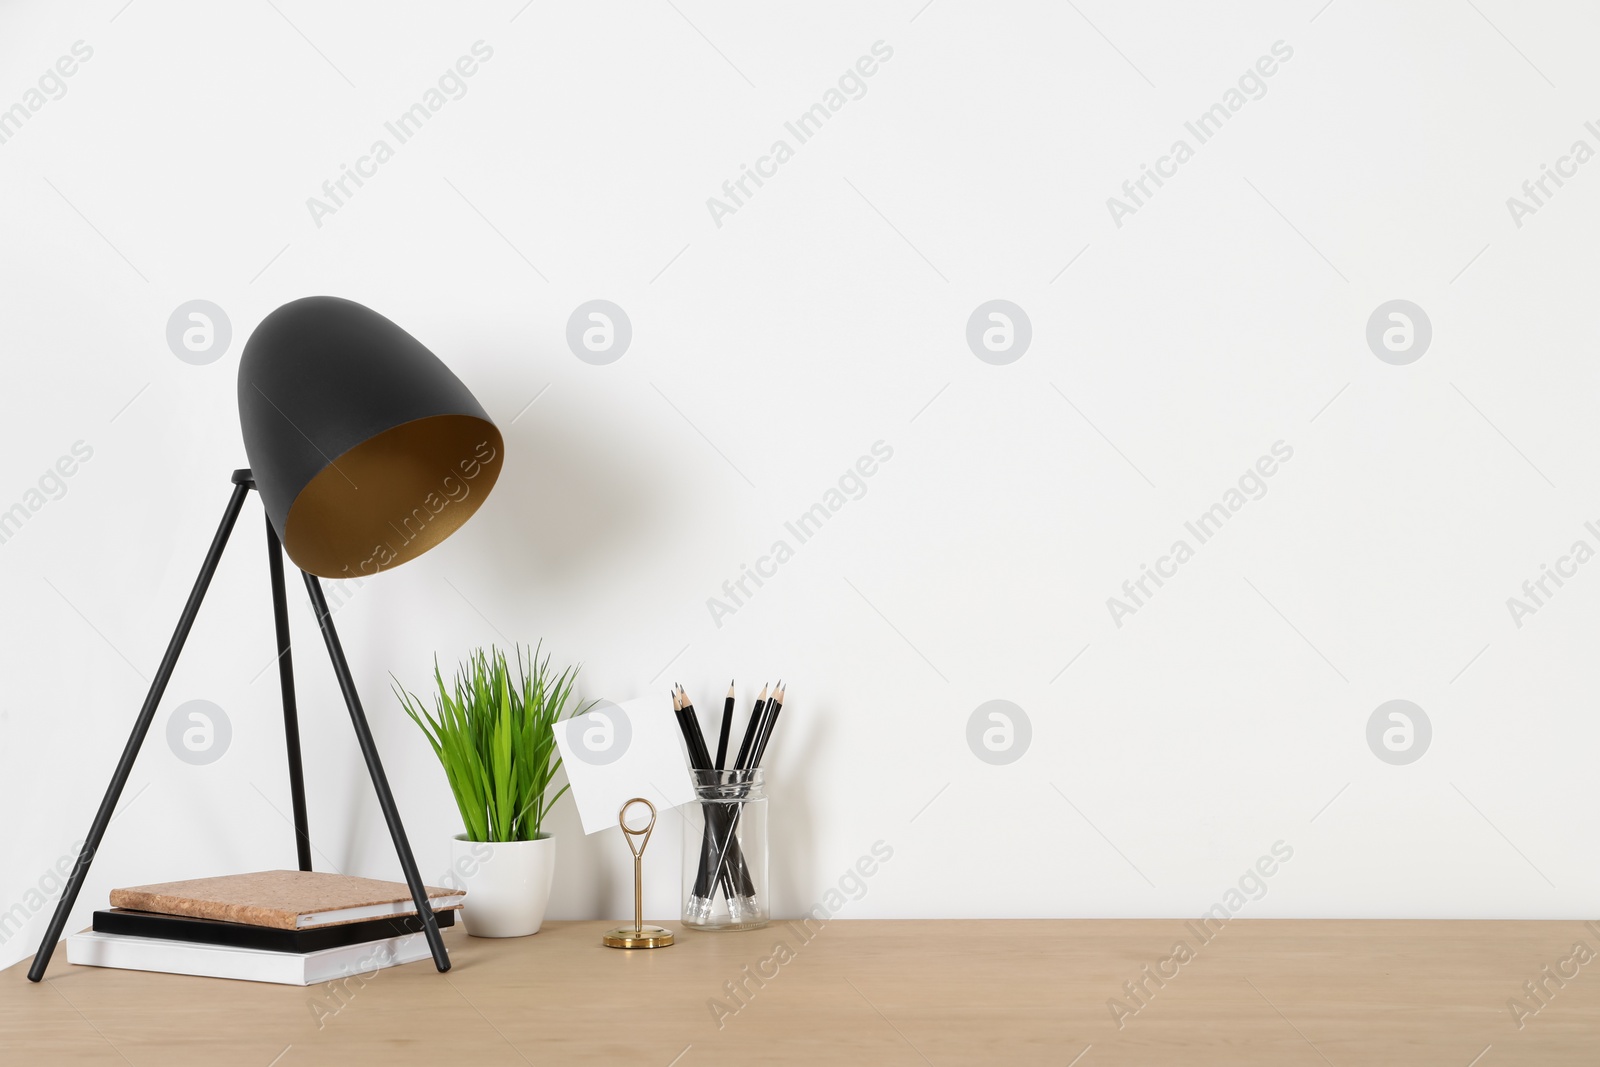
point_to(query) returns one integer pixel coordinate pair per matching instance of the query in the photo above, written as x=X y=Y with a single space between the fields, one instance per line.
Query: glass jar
x=725 y=852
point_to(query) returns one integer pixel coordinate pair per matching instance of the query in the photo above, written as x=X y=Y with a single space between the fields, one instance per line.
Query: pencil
x=682 y=711
x=727 y=721
x=719 y=849
x=761 y=729
x=774 y=706
x=746 y=762
x=677 y=713
x=703 y=881
x=729 y=849
x=690 y=723
x=743 y=760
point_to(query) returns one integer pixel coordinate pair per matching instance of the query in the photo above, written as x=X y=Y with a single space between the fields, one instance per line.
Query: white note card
x=617 y=752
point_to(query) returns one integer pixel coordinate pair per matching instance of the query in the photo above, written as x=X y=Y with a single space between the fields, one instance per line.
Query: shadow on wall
x=574 y=495
x=791 y=821
x=585 y=878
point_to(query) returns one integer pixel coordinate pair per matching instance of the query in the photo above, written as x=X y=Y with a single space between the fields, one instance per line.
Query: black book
x=242 y=935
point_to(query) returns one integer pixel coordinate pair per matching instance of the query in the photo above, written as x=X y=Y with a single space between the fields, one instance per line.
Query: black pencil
x=748 y=757
x=694 y=744
x=719 y=849
x=761 y=729
x=774 y=706
x=727 y=721
x=690 y=723
x=750 y=729
x=703 y=881
x=683 y=726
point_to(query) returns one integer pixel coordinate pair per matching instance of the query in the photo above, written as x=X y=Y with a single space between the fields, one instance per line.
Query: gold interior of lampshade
x=394 y=496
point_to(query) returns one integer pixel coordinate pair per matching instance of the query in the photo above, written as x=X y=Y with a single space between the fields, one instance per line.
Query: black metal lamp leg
x=380 y=783
x=147 y=713
x=291 y=716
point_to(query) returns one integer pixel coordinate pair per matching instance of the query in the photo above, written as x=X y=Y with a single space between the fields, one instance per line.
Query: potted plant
x=495 y=737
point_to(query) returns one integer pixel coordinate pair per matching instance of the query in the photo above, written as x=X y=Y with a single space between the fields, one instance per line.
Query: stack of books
x=288 y=927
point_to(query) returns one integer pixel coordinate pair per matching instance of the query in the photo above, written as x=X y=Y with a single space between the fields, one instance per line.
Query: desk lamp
x=367 y=451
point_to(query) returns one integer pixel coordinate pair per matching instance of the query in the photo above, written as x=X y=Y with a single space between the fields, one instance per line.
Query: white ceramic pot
x=507 y=884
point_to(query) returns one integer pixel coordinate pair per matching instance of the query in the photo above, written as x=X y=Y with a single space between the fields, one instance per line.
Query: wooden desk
x=1283 y=993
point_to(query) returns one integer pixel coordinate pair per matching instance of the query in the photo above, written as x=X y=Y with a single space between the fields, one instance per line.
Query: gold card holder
x=637 y=935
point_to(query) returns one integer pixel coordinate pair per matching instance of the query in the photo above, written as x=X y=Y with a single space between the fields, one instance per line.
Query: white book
x=91 y=949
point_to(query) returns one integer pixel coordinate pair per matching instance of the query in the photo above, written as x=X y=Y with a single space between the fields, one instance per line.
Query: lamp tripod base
x=638 y=937
x=243 y=483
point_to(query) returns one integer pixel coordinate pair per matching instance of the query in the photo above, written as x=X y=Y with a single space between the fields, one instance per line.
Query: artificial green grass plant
x=495 y=738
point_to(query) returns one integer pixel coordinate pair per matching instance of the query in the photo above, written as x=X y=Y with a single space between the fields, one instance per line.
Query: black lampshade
x=366 y=449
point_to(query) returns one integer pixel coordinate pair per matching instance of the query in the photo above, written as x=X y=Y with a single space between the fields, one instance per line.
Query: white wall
x=826 y=314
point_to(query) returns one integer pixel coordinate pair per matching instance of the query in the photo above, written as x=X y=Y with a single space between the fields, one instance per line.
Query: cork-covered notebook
x=282 y=900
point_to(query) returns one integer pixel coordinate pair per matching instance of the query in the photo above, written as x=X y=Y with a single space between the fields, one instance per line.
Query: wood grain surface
x=1267 y=992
